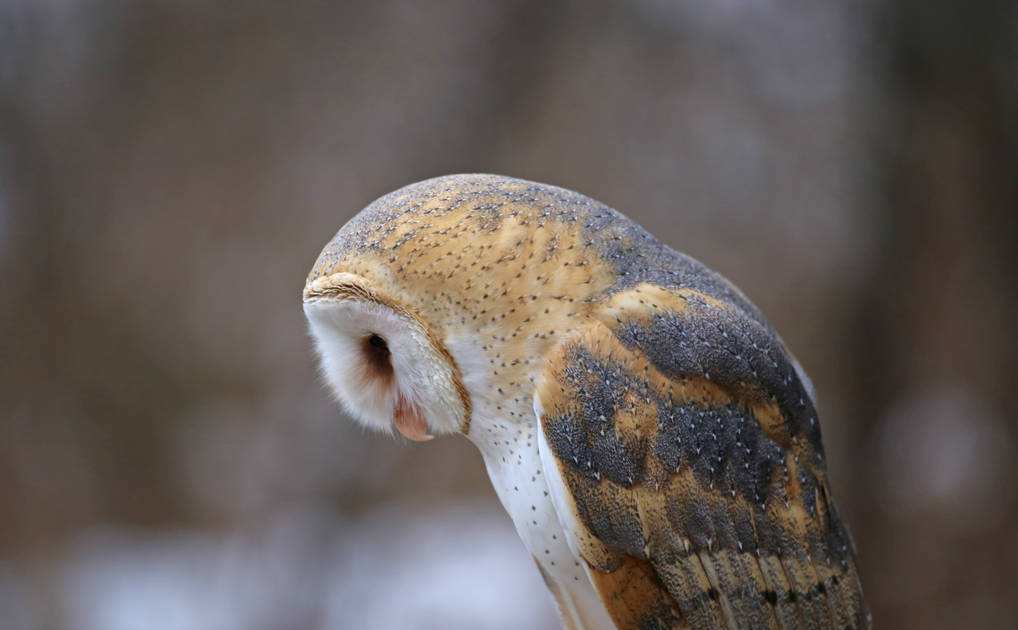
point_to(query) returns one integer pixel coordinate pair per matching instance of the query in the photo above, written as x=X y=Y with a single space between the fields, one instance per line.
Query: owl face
x=381 y=361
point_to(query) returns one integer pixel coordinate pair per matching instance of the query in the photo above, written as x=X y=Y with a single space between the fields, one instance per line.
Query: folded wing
x=685 y=458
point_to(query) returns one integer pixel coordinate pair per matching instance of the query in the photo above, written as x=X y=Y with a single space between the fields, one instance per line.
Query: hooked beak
x=410 y=422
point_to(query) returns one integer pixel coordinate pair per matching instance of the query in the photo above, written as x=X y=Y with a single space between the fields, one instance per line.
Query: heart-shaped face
x=380 y=360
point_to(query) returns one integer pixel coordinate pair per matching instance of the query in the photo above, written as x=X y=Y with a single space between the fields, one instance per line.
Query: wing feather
x=690 y=472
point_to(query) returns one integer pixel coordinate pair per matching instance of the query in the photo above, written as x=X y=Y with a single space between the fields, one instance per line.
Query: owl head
x=438 y=301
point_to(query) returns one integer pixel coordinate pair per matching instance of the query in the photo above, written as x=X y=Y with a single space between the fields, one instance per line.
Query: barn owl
x=655 y=444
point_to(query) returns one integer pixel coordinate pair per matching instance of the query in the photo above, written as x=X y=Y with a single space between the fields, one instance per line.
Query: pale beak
x=410 y=422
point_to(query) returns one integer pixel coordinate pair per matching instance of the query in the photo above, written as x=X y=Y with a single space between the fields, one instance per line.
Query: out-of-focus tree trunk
x=937 y=335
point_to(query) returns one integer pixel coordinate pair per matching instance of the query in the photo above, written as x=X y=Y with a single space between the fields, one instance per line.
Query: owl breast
x=514 y=465
x=511 y=455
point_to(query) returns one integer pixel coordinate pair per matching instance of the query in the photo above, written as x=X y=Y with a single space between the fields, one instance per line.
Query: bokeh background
x=169 y=170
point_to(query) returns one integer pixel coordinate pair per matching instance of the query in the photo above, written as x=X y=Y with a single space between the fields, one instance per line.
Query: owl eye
x=378 y=343
x=376 y=350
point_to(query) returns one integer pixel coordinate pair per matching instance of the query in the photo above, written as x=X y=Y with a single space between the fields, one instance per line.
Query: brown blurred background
x=169 y=170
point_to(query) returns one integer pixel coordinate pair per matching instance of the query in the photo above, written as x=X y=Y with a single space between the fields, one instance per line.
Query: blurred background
x=170 y=169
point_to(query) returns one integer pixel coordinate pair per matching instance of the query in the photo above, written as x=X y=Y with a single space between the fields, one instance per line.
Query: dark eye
x=378 y=344
x=377 y=352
